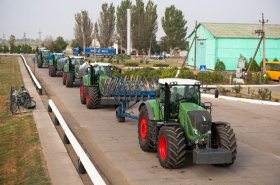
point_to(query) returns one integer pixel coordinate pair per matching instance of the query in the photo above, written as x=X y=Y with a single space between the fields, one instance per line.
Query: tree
x=219 y=65
x=174 y=26
x=84 y=26
x=122 y=21
x=59 y=44
x=106 y=25
x=49 y=42
x=12 y=41
x=144 y=25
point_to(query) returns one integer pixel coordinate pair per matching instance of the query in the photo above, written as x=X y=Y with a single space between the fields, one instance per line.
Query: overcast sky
x=56 y=17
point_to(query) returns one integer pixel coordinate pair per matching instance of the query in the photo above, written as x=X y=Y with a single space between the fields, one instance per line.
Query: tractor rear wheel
x=69 y=79
x=171 y=147
x=147 y=131
x=52 y=71
x=82 y=92
x=92 y=97
x=224 y=137
x=64 y=78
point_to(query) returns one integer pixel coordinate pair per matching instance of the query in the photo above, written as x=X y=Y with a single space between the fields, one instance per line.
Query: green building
x=228 y=41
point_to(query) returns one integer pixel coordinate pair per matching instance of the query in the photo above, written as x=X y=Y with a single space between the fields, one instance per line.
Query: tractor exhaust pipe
x=166 y=103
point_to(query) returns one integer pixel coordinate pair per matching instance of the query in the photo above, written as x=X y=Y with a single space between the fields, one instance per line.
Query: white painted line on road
x=89 y=167
x=242 y=100
x=262 y=85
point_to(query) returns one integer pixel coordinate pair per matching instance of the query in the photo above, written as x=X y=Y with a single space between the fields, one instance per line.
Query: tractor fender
x=149 y=109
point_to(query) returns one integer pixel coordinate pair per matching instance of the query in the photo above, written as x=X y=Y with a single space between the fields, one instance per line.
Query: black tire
x=64 y=78
x=82 y=92
x=52 y=71
x=39 y=63
x=147 y=132
x=120 y=119
x=171 y=147
x=69 y=79
x=224 y=137
x=92 y=97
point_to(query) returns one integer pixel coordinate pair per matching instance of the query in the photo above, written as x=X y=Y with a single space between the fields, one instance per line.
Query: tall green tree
x=83 y=25
x=106 y=25
x=59 y=44
x=122 y=22
x=144 y=25
x=12 y=41
x=175 y=28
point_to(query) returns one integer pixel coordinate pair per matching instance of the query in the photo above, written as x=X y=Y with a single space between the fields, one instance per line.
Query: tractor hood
x=199 y=118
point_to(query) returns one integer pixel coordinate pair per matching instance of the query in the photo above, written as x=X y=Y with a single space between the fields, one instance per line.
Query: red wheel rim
x=82 y=90
x=87 y=97
x=144 y=128
x=162 y=147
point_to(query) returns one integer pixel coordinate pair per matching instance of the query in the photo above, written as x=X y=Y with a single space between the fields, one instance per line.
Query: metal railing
x=84 y=163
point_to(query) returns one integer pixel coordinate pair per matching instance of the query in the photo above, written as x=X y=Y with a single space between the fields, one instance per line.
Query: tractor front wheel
x=224 y=137
x=64 y=78
x=92 y=97
x=52 y=71
x=171 y=147
x=82 y=92
x=69 y=79
x=147 y=131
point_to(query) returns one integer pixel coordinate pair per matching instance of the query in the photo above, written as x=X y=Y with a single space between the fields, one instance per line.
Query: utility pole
x=263 y=38
x=95 y=47
x=128 y=31
x=24 y=38
x=195 y=38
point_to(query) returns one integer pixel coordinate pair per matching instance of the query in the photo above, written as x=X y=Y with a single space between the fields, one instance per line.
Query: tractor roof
x=100 y=64
x=179 y=81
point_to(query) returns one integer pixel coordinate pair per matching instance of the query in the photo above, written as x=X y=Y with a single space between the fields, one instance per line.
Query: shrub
x=254 y=66
x=131 y=64
x=275 y=59
x=258 y=78
x=237 y=89
x=161 y=65
x=219 y=65
x=264 y=94
x=187 y=73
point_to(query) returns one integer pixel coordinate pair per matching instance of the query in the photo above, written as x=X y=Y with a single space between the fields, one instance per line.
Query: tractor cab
x=174 y=91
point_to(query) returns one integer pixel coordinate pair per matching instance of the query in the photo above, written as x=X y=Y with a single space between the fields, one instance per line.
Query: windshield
x=188 y=93
x=45 y=54
x=78 y=61
x=103 y=70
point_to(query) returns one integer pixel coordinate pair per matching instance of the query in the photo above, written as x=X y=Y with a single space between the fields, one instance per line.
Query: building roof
x=237 y=30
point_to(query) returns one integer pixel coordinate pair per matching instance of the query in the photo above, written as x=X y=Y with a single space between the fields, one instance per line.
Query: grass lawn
x=21 y=159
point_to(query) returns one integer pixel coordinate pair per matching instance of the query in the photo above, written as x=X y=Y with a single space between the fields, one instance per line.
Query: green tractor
x=42 y=57
x=70 y=69
x=53 y=63
x=177 y=122
x=91 y=89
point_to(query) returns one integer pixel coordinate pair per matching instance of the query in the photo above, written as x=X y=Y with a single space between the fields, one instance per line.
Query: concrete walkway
x=60 y=167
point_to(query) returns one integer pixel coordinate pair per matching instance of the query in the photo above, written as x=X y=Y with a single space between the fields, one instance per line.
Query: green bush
x=264 y=94
x=258 y=78
x=212 y=77
x=237 y=89
x=161 y=65
x=254 y=66
x=187 y=73
x=219 y=65
x=131 y=64
x=275 y=59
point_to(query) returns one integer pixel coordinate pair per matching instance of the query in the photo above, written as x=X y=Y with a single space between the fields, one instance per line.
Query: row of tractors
x=172 y=119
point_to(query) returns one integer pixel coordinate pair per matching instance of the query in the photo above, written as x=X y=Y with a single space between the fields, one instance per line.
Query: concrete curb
x=60 y=167
x=261 y=102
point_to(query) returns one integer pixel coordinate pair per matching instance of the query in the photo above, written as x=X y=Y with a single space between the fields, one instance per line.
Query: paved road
x=114 y=146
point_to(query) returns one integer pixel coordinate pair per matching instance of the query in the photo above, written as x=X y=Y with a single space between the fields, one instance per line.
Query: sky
x=56 y=17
